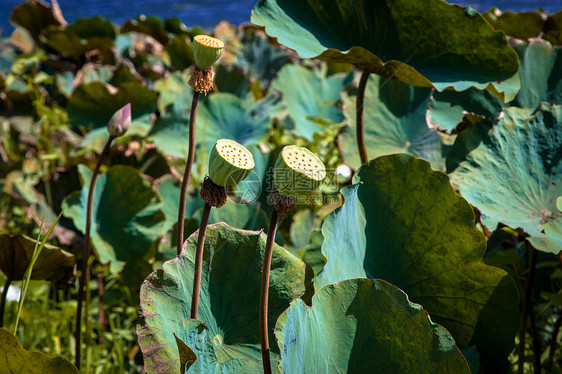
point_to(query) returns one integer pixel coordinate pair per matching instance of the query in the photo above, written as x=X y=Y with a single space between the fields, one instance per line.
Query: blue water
x=207 y=13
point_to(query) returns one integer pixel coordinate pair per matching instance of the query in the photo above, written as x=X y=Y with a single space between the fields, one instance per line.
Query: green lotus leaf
x=16 y=359
x=53 y=263
x=34 y=16
x=223 y=116
x=390 y=38
x=554 y=26
x=404 y=223
x=151 y=25
x=229 y=304
x=251 y=50
x=310 y=94
x=395 y=122
x=83 y=36
x=93 y=104
x=448 y=108
x=551 y=240
x=179 y=52
x=169 y=192
x=521 y=25
x=364 y=326
x=513 y=172
x=540 y=73
x=126 y=216
x=243 y=216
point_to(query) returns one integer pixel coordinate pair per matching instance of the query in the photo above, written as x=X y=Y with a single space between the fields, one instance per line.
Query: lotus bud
x=229 y=163
x=119 y=123
x=298 y=172
x=206 y=50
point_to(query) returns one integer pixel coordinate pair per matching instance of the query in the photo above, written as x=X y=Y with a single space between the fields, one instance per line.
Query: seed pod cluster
x=206 y=50
x=229 y=163
x=298 y=172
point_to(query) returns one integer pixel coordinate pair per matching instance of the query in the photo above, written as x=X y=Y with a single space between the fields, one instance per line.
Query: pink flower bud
x=119 y=123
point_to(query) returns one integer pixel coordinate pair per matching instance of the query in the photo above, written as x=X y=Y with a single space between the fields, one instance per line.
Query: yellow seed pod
x=298 y=172
x=229 y=163
x=206 y=50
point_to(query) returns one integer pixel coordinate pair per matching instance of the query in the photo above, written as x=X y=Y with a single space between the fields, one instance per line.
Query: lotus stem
x=526 y=305
x=3 y=300
x=199 y=260
x=187 y=173
x=87 y=250
x=101 y=310
x=360 y=118
x=264 y=295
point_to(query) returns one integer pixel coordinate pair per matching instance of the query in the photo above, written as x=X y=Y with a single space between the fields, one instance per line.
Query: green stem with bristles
x=87 y=251
x=360 y=118
x=187 y=173
x=199 y=260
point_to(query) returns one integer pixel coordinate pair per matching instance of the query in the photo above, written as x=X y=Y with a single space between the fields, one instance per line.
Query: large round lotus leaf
x=522 y=25
x=364 y=326
x=126 y=216
x=395 y=122
x=419 y=42
x=404 y=223
x=53 y=263
x=447 y=109
x=16 y=359
x=310 y=95
x=237 y=214
x=540 y=73
x=93 y=104
x=513 y=173
x=179 y=52
x=229 y=303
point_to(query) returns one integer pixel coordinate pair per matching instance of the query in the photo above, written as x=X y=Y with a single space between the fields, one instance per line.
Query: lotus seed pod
x=298 y=172
x=229 y=163
x=119 y=123
x=206 y=51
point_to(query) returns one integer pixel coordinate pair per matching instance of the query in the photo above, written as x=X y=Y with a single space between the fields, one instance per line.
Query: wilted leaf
x=229 y=303
x=53 y=263
x=422 y=43
x=15 y=359
x=513 y=172
x=403 y=222
x=364 y=326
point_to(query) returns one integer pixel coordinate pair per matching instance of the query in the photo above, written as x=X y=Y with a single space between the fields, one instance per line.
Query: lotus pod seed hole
x=228 y=149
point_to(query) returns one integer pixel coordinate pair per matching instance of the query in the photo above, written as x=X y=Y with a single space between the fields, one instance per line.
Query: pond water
x=207 y=13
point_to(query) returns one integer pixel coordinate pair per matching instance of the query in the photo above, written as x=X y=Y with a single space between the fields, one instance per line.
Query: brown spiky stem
x=214 y=196
x=201 y=80
x=187 y=172
x=360 y=118
x=282 y=206
x=87 y=250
